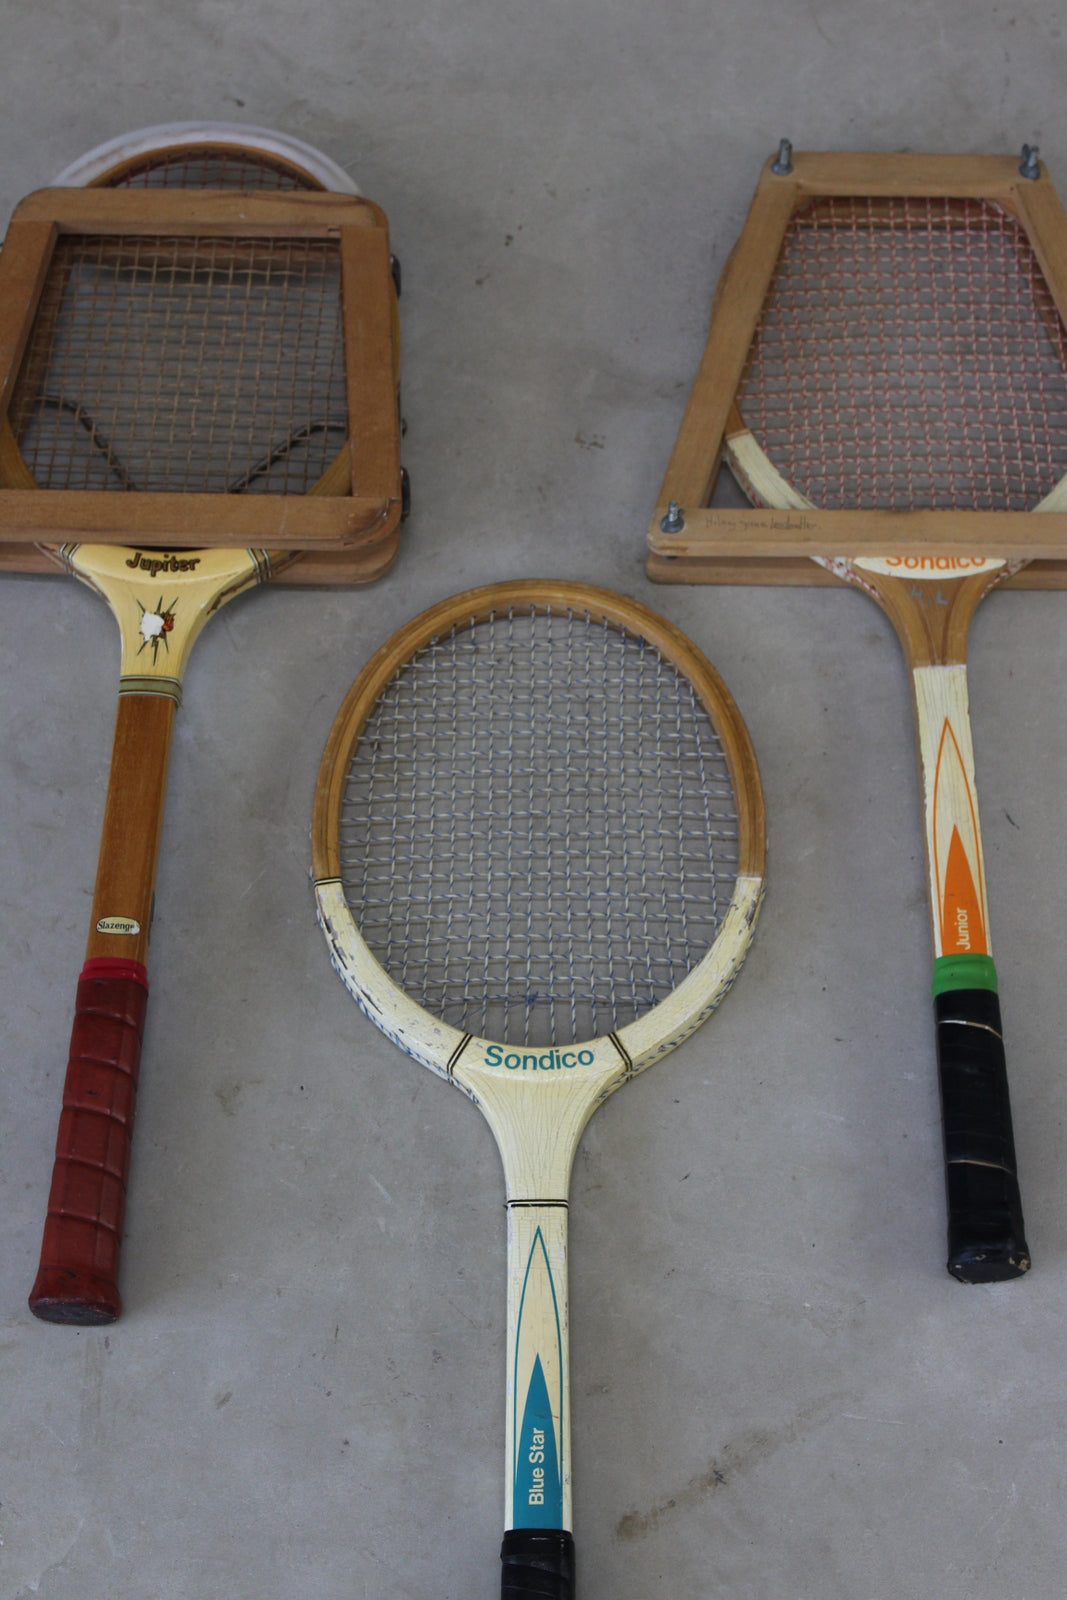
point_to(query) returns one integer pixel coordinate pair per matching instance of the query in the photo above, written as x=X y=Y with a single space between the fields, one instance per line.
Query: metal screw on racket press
x=782 y=164
x=1029 y=166
x=674 y=521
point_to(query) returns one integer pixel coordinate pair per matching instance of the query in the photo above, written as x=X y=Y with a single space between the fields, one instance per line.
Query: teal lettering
x=550 y=1061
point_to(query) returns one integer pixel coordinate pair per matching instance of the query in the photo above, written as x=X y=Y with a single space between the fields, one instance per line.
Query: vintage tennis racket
x=167 y=362
x=909 y=357
x=538 y=850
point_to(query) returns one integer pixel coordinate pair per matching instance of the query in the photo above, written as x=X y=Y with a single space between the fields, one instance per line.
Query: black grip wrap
x=986 y=1242
x=537 y=1561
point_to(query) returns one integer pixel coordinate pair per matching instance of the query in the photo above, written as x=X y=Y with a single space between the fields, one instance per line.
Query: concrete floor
x=778 y=1392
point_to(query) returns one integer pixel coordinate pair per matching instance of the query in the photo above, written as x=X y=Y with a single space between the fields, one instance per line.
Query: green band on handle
x=964 y=972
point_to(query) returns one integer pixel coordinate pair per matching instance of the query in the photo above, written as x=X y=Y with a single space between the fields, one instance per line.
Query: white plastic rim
x=171 y=135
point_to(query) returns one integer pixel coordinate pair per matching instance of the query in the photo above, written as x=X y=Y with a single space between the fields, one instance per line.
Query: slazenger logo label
x=118 y=925
x=926 y=566
x=162 y=563
x=539 y=1061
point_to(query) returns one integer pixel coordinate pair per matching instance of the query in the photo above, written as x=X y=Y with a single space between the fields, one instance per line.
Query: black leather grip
x=986 y=1241
x=537 y=1561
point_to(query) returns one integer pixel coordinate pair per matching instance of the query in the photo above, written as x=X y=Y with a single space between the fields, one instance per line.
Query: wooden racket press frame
x=690 y=541
x=362 y=502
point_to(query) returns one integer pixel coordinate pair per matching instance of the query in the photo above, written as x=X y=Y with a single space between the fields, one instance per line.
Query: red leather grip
x=77 y=1281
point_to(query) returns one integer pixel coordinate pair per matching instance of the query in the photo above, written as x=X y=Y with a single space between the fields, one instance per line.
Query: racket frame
x=537 y=1100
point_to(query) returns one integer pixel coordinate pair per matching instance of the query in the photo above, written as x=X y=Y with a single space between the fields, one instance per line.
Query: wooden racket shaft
x=892 y=330
x=538 y=852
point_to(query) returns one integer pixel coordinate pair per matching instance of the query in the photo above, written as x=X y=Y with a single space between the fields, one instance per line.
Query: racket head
x=563 y=744
x=908 y=357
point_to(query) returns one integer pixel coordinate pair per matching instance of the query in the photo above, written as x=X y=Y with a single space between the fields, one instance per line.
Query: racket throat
x=161 y=601
x=931 y=610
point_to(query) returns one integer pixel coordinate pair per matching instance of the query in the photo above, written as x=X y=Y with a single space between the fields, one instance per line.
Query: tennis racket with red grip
x=151 y=290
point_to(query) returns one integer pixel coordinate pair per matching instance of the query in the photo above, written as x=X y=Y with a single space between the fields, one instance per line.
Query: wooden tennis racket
x=909 y=359
x=538 y=848
x=202 y=364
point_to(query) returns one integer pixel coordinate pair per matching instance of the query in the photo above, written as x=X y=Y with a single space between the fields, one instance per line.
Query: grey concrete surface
x=778 y=1392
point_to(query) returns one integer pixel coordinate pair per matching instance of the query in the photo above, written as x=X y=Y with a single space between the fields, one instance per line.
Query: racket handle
x=539 y=1562
x=986 y=1240
x=77 y=1281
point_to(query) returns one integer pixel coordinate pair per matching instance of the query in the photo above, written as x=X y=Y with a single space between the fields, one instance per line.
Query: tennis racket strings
x=910 y=355
x=539 y=834
x=185 y=364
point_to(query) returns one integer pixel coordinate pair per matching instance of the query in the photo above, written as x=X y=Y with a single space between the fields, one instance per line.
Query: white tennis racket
x=538 y=850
